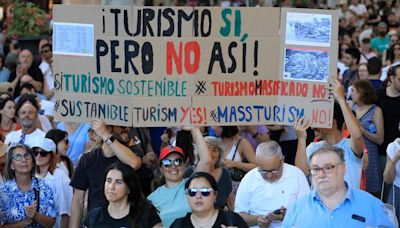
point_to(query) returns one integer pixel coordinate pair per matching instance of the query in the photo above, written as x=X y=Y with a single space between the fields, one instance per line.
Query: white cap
x=45 y=144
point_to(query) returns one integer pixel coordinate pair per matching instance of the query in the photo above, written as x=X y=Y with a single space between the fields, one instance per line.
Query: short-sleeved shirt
x=358 y=209
x=392 y=150
x=99 y=218
x=353 y=164
x=89 y=175
x=171 y=202
x=13 y=201
x=28 y=139
x=226 y=218
x=256 y=196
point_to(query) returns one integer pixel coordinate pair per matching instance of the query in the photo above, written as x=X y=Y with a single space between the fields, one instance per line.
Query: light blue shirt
x=353 y=164
x=4 y=74
x=77 y=141
x=358 y=209
x=171 y=203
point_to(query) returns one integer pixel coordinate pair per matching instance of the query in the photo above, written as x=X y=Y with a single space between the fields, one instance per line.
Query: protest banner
x=171 y=66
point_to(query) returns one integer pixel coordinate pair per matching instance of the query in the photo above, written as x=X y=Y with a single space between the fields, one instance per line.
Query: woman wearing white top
x=392 y=173
x=56 y=178
x=60 y=138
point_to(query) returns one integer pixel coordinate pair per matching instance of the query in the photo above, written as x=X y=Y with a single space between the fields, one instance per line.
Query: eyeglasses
x=274 y=172
x=45 y=51
x=168 y=162
x=18 y=157
x=42 y=153
x=192 y=192
x=326 y=169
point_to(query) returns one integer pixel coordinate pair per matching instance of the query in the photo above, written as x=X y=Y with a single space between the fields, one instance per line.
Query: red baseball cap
x=171 y=149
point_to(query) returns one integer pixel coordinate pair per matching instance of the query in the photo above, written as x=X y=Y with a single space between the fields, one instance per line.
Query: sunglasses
x=41 y=152
x=19 y=157
x=192 y=192
x=45 y=51
x=168 y=162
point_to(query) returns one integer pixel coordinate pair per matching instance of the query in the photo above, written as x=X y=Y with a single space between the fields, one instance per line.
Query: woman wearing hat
x=56 y=178
x=24 y=199
x=170 y=199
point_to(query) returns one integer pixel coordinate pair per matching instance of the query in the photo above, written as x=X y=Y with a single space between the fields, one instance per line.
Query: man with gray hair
x=332 y=202
x=267 y=190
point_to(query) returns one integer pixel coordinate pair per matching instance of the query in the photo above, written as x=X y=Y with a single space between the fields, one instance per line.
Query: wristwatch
x=109 y=140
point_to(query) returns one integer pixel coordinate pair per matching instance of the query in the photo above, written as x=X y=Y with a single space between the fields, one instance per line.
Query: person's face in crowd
x=354 y=2
x=27 y=115
x=115 y=188
x=25 y=57
x=21 y=161
x=46 y=53
x=63 y=146
x=355 y=95
x=174 y=172
x=26 y=91
x=200 y=195
x=217 y=130
x=343 y=48
x=42 y=42
x=366 y=46
x=348 y=60
x=214 y=154
x=42 y=157
x=321 y=133
x=346 y=39
x=382 y=30
x=391 y=18
x=395 y=80
x=396 y=50
x=121 y=133
x=329 y=171
x=270 y=168
x=8 y=110
x=363 y=72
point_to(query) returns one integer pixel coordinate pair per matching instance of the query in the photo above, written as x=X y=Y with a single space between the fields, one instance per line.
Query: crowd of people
x=65 y=174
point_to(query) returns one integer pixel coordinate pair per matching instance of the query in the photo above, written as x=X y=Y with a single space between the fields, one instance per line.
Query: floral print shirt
x=13 y=201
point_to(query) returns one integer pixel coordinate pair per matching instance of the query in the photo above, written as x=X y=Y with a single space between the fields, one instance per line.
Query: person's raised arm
x=390 y=169
x=123 y=153
x=300 y=127
x=204 y=164
x=356 y=137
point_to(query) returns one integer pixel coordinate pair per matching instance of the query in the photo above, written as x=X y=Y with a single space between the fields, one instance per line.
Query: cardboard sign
x=172 y=66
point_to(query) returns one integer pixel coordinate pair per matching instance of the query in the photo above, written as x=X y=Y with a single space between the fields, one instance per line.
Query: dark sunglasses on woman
x=204 y=191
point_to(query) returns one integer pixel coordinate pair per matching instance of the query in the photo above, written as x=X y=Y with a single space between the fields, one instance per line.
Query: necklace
x=204 y=222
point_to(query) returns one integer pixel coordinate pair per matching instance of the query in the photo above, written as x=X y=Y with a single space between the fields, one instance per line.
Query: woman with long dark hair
x=127 y=206
x=8 y=121
x=60 y=138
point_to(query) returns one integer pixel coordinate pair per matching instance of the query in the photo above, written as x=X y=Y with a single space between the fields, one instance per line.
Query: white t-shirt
x=15 y=137
x=256 y=196
x=359 y=9
x=392 y=149
x=59 y=184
